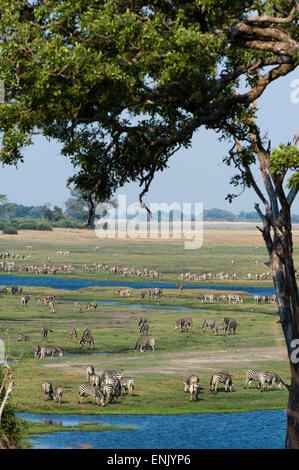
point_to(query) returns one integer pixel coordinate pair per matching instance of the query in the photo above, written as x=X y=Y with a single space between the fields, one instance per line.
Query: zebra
x=57 y=395
x=95 y=380
x=72 y=333
x=112 y=390
x=221 y=377
x=94 y=392
x=87 y=339
x=110 y=374
x=77 y=307
x=47 y=388
x=232 y=326
x=263 y=377
x=36 y=350
x=92 y=305
x=22 y=337
x=142 y=344
x=222 y=326
x=51 y=306
x=143 y=326
x=208 y=323
x=184 y=323
x=192 y=385
x=45 y=331
x=50 y=350
x=89 y=372
x=127 y=382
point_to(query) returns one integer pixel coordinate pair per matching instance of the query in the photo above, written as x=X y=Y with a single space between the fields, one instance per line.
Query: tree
x=124 y=84
x=277 y=199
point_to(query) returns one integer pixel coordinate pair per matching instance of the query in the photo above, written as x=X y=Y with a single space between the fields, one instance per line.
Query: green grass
x=158 y=375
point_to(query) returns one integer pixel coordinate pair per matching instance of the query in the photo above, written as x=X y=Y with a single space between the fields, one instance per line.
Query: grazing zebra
x=87 y=339
x=58 y=392
x=112 y=390
x=89 y=371
x=232 y=326
x=208 y=323
x=143 y=343
x=222 y=326
x=263 y=377
x=94 y=392
x=127 y=382
x=22 y=337
x=50 y=351
x=45 y=331
x=192 y=385
x=47 y=388
x=72 y=333
x=221 y=377
x=92 y=305
x=86 y=332
x=183 y=324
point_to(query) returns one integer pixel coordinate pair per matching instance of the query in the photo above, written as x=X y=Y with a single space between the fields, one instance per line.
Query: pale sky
x=194 y=175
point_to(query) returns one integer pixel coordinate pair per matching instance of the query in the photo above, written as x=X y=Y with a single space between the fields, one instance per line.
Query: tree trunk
x=292 y=437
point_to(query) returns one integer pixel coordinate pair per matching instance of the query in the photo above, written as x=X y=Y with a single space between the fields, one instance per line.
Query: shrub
x=9 y=229
x=43 y=226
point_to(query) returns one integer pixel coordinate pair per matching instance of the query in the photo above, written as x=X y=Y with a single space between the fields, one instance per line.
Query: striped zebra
x=94 y=392
x=263 y=377
x=95 y=380
x=221 y=326
x=45 y=331
x=143 y=343
x=87 y=339
x=208 y=323
x=183 y=324
x=221 y=377
x=192 y=385
x=110 y=374
x=112 y=390
x=127 y=383
x=36 y=350
x=50 y=351
x=143 y=326
x=57 y=395
x=89 y=371
x=47 y=388
x=22 y=337
x=72 y=333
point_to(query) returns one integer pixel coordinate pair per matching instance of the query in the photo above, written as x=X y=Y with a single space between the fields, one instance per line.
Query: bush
x=28 y=225
x=43 y=226
x=9 y=229
x=67 y=223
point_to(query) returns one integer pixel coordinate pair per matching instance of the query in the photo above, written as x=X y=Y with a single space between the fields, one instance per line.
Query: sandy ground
x=176 y=362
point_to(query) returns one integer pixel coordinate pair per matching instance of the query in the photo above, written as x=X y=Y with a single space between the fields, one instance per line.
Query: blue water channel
x=75 y=284
x=247 y=430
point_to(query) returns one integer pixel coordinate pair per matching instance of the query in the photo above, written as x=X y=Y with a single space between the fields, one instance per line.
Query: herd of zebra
x=105 y=388
x=264 y=378
x=227 y=325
